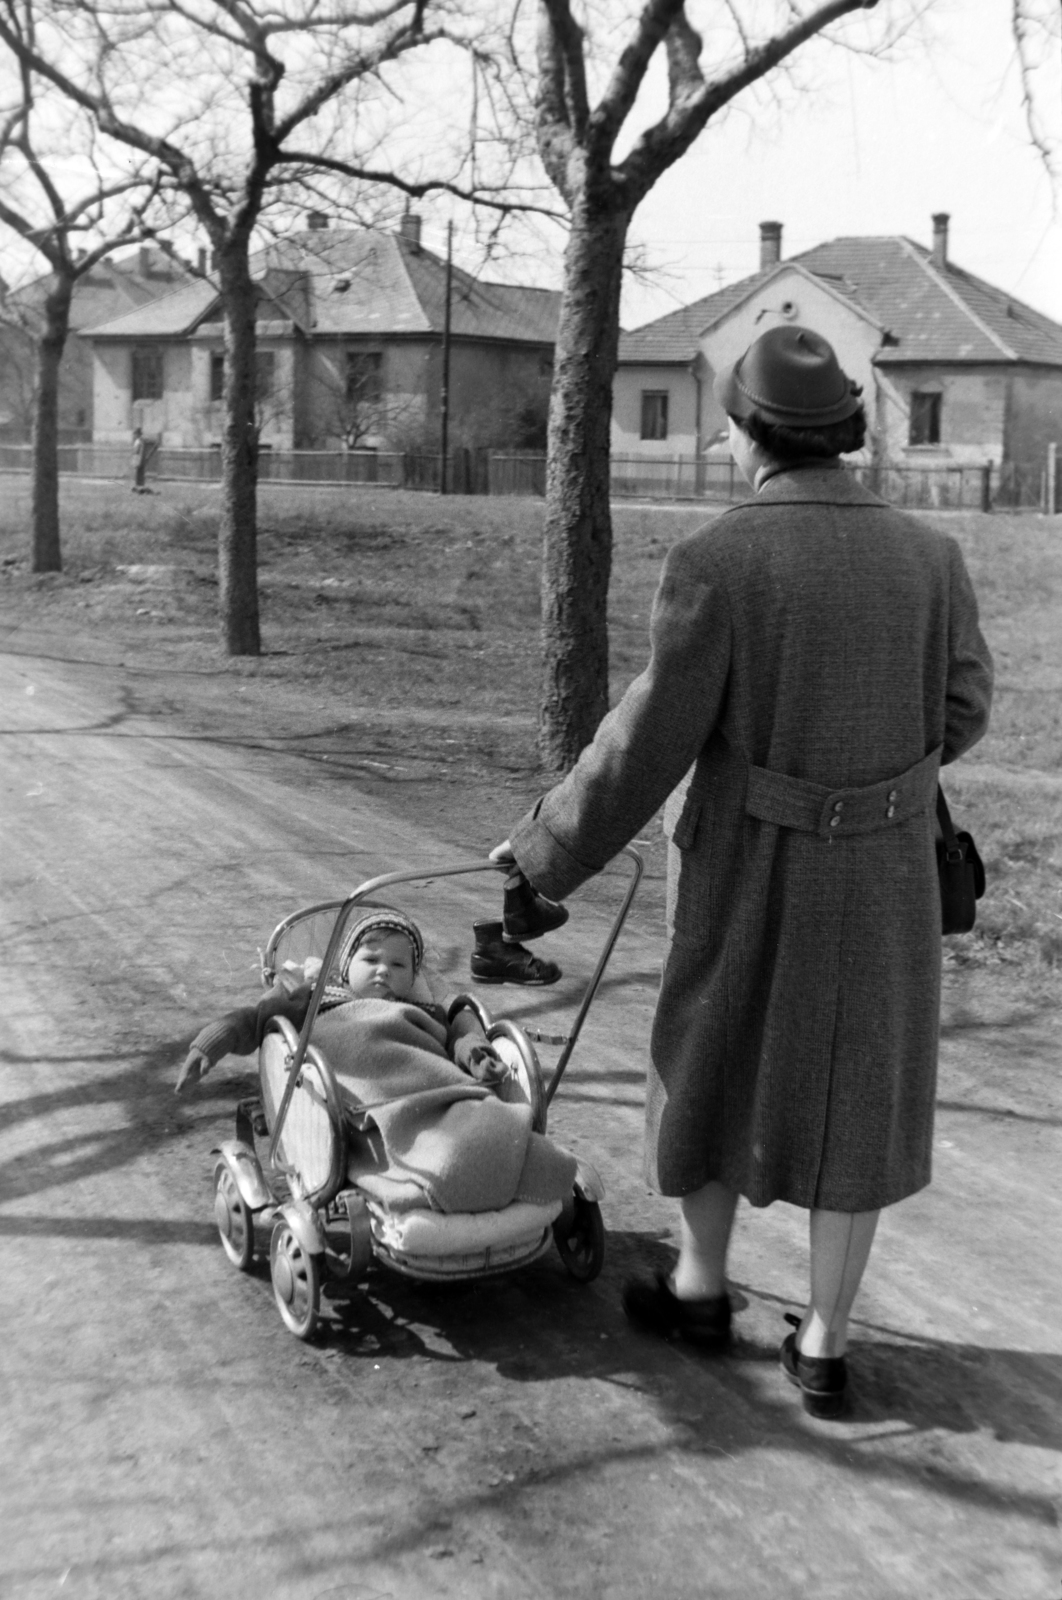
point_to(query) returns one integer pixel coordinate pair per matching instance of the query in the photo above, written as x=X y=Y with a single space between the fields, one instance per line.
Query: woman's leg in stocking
x=707 y=1220
x=840 y=1248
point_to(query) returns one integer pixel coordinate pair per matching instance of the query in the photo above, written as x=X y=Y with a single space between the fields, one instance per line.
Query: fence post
x=986 y=486
x=1052 y=480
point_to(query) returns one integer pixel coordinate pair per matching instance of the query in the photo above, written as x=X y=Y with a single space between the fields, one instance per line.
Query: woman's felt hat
x=789 y=375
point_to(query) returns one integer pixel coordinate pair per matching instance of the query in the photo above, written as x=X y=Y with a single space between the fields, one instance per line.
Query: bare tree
x=1037 y=28
x=229 y=83
x=578 y=142
x=34 y=208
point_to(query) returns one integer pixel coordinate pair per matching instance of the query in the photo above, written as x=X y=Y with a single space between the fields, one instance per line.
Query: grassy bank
x=400 y=638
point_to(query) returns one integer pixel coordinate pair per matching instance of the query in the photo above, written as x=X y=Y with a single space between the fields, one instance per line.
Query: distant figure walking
x=140 y=455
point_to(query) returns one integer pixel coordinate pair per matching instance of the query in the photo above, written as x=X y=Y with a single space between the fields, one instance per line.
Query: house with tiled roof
x=349 y=346
x=954 y=371
x=113 y=287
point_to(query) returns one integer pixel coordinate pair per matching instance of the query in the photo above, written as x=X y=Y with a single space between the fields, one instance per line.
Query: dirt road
x=163 y=1435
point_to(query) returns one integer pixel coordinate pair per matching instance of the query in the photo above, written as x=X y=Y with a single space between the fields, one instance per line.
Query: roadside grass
x=400 y=640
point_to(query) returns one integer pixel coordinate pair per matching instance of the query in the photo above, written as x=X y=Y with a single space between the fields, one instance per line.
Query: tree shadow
x=538 y=1325
x=152 y=1117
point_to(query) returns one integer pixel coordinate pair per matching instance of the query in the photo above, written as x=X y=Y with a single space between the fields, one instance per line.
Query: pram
x=325 y=1231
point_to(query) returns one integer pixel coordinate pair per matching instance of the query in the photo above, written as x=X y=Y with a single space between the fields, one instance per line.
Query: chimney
x=317 y=222
x=201 y=259
x=770 y=244
x=409 y=227
x=940 y=239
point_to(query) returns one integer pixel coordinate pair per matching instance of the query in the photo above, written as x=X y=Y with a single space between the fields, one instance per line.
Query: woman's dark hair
x=793 y=444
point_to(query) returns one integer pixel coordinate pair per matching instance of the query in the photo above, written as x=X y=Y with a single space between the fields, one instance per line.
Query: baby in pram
x=417 y=1089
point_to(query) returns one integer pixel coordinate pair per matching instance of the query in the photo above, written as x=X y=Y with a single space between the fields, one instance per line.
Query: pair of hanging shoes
x=822 y=1380
x=527 y=914
x=494 y=960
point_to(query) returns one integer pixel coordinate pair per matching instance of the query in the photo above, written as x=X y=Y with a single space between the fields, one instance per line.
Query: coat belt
x=837 y=813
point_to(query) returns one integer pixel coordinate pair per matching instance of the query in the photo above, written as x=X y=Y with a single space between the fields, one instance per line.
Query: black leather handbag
x=962 y=874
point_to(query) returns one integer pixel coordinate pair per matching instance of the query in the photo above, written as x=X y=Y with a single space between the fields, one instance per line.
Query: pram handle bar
x=620 y=918
x=385 y=881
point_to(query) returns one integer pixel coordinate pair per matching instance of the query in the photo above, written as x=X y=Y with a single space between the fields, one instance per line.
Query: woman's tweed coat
x=820 y=635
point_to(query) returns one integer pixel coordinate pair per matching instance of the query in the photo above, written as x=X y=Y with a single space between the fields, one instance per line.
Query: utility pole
x=444 y=391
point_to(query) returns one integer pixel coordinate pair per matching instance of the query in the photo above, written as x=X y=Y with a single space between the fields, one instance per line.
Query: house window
x=147 y=374
x=217 y=375
x=925 y=418
x=654 y=413
x=364 y=376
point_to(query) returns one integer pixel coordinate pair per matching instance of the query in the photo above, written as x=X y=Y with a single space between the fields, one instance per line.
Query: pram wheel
x=296 y=1282
x=518 y=1053
x=233 y=1217
x=579 y=1234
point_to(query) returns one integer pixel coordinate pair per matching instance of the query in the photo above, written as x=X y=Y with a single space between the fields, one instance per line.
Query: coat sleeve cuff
x=541 y=857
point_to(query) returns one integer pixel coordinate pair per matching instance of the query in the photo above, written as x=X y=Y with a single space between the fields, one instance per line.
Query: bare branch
x=417 y=191
x=660 y=146
x=629 y=74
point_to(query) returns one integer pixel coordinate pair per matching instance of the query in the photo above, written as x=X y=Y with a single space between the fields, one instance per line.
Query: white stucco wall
x=972 y=415
x=628 y=387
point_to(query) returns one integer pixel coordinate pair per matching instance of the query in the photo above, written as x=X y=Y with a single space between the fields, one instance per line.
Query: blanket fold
x=426 y=1128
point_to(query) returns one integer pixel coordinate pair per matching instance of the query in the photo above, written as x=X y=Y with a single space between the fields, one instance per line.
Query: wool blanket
x=425 y=1133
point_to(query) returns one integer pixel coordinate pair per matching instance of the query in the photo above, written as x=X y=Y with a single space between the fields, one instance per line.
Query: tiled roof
x=363 y=283
x=674 y=337
x=931 y=313
x=935 y=313
x=173 y=315
x=112 y=288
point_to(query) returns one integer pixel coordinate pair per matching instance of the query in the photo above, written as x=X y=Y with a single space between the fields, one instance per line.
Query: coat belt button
x=891 y=812
x=838 y=805
x=893 y=796
x=834 y=822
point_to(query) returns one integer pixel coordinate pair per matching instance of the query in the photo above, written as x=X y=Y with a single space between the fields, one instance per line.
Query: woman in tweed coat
x=815 y=656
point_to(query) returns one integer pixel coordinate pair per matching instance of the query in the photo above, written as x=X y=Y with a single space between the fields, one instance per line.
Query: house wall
x=1034 y=415
x=490 y=386
x=185 y=416
x=972 y=414
x=115 y=414
x=680 y=385
x=323 y=413
x=499 y=394
x=18 y=378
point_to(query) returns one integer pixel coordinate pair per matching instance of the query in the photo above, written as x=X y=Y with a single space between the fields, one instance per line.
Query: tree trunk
x=577 y=555
x=238 y=530
x=45 y=489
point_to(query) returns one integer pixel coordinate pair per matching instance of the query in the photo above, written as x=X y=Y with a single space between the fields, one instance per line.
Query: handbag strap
x=951 y=843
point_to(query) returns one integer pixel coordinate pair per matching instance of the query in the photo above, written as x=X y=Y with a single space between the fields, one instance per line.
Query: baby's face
x=382 y=967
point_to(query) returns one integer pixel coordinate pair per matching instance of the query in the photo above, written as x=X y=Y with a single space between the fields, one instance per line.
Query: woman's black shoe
x=822 y=1380
x=494 y=961
x=654 y=1308
x=528 y=915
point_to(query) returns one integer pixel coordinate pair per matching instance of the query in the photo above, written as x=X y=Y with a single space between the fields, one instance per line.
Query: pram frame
x=387 y=880
x=298 y=1245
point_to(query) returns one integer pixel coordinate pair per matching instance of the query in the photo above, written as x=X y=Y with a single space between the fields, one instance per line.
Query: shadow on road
x=910 y=1394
